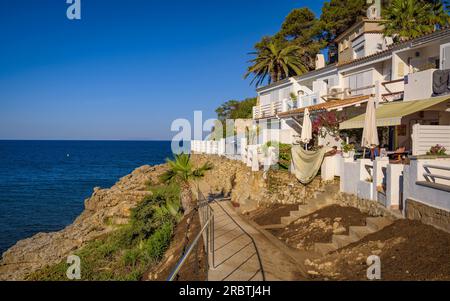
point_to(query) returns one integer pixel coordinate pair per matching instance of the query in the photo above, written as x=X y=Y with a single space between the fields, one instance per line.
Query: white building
x=368 y=65
x=399 y=76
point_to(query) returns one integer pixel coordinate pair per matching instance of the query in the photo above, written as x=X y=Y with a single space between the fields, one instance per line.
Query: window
x=359 y=82
x=265 y=99
x=285 y=93
x=274 y=95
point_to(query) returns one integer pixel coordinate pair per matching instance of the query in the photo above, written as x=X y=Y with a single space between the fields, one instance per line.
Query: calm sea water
x=43 y=184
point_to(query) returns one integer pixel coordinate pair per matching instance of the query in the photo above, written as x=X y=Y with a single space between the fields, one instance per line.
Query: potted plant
x=294 y=98
x=437 y=150
x=348 y=150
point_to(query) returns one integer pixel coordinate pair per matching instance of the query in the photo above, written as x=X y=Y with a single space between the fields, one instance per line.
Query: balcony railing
x=395 y=90
x=269 y=110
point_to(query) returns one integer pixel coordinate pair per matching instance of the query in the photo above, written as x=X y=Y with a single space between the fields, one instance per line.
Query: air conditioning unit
x=336 y=93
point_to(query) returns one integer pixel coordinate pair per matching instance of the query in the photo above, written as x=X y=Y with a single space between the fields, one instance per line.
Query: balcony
x=268 y=110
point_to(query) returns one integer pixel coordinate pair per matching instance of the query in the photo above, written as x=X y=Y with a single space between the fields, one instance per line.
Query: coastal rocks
x=104 y=211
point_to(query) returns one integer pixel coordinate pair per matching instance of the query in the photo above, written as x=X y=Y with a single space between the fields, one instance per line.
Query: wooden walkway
x=243 y=253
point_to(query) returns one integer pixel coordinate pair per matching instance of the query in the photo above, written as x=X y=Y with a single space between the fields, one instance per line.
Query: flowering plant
x=326 y=123
x=437 y=150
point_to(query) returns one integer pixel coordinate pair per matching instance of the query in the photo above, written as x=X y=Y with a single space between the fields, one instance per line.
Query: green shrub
x=158 y=243
x=285 y=155
x=128 y=252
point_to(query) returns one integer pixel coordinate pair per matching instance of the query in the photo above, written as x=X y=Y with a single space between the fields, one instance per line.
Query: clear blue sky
x=128 y=67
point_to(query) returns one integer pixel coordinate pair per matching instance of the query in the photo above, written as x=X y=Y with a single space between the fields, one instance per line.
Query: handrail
x=428 y=175
x=437 y=167
x=188 y=251
x=208 y=227
x=393 y=81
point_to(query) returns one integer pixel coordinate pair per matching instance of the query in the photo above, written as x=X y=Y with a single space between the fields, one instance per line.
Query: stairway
x=356 y=233
x=320 y=200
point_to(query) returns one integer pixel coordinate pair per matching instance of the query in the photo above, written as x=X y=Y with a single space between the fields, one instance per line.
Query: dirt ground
x=272 y=214
x=409 y=250
x=195 y=268
x=320 y=226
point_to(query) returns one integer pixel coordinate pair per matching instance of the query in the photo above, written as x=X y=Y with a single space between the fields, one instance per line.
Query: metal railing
x=428 y=175
x=206 y=214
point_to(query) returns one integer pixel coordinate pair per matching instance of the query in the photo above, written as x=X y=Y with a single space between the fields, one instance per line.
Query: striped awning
x=391 y=114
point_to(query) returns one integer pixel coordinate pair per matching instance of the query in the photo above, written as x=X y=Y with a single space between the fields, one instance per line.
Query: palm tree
x=274 y=62
x=406 y=19
x=182 y=172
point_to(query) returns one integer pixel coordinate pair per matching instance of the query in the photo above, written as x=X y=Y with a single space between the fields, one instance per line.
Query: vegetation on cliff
x=182 y=173
x=128 y=252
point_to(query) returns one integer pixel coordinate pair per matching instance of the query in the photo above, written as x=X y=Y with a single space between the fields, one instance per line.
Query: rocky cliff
x=253 y=189
x=104 y=210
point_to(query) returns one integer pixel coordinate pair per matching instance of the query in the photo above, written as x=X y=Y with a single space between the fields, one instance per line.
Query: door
x=445 y=56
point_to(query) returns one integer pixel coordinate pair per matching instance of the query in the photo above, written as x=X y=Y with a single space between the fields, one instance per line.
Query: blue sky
x=128 y=68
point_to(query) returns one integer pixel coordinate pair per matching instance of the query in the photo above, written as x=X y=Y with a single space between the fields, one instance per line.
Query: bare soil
x=409 y=250
x=196 y=267
x=272 y=214
x=320 y=226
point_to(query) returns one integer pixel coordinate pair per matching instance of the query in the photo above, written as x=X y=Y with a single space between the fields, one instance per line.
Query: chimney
x=374 y=10
x=320 y=61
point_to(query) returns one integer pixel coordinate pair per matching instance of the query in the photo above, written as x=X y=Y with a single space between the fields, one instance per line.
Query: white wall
x=426 y=136
x=426 y=195
x=419 y=86
x=353 y=179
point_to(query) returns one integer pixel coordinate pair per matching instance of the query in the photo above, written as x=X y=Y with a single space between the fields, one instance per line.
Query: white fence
x=426 y=136
x=251 y=155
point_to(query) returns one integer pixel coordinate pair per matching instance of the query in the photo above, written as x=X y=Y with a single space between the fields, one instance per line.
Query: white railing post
x=222 y=147
x=243 y=149
x=203 y=149
x=255 y=160
x=249 y=156
x=285 y=106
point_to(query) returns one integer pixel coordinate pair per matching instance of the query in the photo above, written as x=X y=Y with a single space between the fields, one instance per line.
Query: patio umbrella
x=370 y=134
x=307 y=128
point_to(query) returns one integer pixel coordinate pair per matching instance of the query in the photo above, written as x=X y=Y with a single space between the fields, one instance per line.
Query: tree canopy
x=407 y=19
x=276 y=61
x=234 y=109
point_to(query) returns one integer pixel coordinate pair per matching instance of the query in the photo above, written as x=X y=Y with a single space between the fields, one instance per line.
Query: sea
x=43 y=184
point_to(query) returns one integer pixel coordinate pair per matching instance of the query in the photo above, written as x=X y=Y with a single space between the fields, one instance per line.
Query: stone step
x=286 y=220
x=272 y=227
x=377 y=223
x=300 y=213
x=324 y=248
x=359 y=231
x=343 y=240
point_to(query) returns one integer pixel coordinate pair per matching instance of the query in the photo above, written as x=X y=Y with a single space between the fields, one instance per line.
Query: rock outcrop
x=104 y=211
x=252 y=190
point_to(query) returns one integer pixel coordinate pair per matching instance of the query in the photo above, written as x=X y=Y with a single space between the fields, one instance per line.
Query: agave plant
x=182 y=172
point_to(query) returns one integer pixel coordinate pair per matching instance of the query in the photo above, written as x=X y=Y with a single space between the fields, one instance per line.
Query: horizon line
x=91 y=140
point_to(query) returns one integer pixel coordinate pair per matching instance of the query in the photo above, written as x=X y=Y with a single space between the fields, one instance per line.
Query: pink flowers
x=438 y=150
